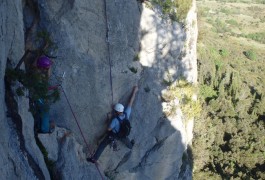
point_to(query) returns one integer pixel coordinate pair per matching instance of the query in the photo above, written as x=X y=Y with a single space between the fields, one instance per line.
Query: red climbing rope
x=75 y=118
x=80 y=129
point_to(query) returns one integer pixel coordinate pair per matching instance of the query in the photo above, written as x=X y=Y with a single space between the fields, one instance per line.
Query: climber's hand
x=135 y=89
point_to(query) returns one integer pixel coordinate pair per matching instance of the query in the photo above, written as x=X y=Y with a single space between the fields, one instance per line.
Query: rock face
x=104 y=48
x=20 y=156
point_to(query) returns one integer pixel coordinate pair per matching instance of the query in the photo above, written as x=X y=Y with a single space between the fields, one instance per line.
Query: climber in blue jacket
x=115 y=127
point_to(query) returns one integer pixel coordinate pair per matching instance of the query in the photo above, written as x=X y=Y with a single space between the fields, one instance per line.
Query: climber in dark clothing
x=114 y=128
x=43 y=68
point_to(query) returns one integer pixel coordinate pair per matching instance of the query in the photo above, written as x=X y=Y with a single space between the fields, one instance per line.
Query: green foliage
x=237 y=151
x=228 y=138
x=220 y=26
x=177 y=10
x=216 y=56
x=232 y=22
x=250 y=54
x=44 y=37
x=201 y=34
x=36 y=83
x=259 y=37
x=259 y=1
x=243 y=1
x=183 y=7
x=136 y=57
x=223 y=52
x=225 y=11
x=207 y=92
x=167 y=82
x=185 y=92
x=20 y=91
x=35 y=80
x=203 y=12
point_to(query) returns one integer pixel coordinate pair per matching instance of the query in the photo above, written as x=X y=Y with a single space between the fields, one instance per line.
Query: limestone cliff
x=104 y=48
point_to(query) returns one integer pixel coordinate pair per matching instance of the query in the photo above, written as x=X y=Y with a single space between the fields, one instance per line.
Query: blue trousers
x=107 y=140
x=43 y=114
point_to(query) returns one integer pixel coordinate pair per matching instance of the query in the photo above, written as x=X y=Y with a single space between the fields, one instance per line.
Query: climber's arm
x=135 y=89
x=113 y=124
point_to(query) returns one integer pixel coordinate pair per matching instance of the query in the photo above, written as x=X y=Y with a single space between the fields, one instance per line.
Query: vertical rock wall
x=79 y=29
x=20 y=156
x=121 y=39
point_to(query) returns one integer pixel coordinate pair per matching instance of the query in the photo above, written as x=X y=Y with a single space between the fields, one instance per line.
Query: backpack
x=125 y=127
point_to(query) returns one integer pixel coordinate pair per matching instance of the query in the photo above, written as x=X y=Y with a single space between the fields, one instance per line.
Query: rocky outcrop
x=68 y=156
x=104 y=48
x=20 y=156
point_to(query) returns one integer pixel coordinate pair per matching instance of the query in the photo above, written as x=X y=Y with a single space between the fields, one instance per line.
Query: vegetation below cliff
x=229 y=137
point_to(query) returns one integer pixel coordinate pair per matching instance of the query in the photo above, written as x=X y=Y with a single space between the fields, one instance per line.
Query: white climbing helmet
x=119 y=107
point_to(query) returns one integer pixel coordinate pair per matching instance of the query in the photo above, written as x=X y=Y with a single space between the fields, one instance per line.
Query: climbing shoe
x=92 y=160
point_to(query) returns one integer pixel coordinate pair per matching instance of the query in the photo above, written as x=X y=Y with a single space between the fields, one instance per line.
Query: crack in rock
x=14 y=165
x=12 y=42
x=143 y=162
x=186 y=166
x=12 y=108
x=124 y=159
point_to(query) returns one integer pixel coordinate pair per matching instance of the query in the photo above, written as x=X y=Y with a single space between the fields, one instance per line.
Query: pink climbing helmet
x=44 y=62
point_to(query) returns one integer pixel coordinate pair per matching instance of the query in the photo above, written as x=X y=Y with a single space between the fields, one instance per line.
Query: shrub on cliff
x=177 y=10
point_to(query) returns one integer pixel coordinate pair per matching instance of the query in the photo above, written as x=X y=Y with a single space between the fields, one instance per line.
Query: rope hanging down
x=111 y=86
x=90 y=152
x=68 y=102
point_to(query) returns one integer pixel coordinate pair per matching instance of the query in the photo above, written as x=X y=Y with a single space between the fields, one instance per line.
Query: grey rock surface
x=20 y=156
x=104 y=48
x=69 y=156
